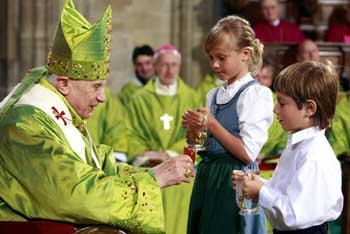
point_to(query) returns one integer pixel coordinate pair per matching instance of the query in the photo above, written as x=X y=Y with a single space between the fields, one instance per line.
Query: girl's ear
x=310 y=107
x=246 y=53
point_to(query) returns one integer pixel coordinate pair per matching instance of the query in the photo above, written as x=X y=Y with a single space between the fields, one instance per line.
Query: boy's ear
x=63 y=85
x=310 y=107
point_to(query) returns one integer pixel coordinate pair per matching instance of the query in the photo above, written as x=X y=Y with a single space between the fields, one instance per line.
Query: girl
x=237 y=118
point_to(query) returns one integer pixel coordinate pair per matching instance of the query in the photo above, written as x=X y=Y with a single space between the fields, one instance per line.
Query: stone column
x=191 y=21
x=186 y=40
x=3 y=48
x=27 y=29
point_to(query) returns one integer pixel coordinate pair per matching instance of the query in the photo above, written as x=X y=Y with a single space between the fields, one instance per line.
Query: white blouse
x=254 y=109
x=305 y=189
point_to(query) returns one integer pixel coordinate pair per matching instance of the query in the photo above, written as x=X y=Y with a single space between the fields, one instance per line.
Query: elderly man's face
x=271 y=10
x=265 y=76
x=309 y=51
x=144 y=66
x=167 y=67
x=85 y=95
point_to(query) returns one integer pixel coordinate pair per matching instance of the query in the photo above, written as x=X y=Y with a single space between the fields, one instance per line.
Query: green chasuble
x=339 y=133
x=50 y=170
x=155 y=122
x=208 y=83
x=277 y=139
x=128 y=91
x=107 y=124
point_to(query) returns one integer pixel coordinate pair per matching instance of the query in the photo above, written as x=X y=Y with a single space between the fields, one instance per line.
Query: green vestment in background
x=128 y=91
x=149 y=114
x=208 y=83
x=277 y=139
x=339 y=133
x=107 y=124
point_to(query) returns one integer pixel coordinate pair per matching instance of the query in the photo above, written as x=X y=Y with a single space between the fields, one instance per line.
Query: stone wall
x=156 y=22
x=30 y=26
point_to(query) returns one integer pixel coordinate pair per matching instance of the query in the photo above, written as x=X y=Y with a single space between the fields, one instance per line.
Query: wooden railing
x=284 y=54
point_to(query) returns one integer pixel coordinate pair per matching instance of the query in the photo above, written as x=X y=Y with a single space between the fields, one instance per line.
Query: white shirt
x=136 y=81
x=254 y=109
x=276 y=22
x=166 y=90
x=305 y=189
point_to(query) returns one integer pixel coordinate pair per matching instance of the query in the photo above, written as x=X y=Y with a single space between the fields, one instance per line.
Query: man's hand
x=156 y=156
x=174 y=171
x=251 y=185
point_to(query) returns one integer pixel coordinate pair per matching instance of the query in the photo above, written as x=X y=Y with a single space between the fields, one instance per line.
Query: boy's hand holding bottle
x=251 y=183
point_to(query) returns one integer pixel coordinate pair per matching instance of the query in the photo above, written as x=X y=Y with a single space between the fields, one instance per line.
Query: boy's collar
x=301 y=135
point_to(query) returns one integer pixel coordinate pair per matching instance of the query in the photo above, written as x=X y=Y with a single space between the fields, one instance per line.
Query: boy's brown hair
x=311 y=81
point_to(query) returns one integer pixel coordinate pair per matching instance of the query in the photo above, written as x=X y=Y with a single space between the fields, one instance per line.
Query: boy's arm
x=294 y=204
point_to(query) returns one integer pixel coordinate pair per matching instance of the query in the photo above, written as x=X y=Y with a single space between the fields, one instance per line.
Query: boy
x=304 y=192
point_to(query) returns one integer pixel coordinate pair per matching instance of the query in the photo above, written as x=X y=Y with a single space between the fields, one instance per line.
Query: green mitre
x=80 y=50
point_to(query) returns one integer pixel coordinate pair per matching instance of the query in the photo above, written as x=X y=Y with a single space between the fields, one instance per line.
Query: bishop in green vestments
x=156 y=132
x=50 y=169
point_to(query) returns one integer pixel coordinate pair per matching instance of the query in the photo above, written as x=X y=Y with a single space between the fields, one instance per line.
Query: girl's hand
x=195 y=118
x=198 y=118
x=184 y=119
x=251 y=185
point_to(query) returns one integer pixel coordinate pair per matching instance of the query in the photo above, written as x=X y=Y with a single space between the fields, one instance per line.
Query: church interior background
x=27 y=29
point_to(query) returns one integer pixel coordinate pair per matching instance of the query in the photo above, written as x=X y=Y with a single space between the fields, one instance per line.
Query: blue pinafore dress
x=213 y=209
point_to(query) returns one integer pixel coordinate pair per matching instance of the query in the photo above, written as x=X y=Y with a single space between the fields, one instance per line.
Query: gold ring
x=188 y=172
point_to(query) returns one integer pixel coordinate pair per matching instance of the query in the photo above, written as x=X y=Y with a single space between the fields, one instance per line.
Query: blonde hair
x=236 y=33
x=311 y=81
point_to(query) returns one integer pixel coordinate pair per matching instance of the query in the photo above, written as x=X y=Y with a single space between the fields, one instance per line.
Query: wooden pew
x=284 y=54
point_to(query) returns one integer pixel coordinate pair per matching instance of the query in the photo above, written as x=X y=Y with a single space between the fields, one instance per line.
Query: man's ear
x=63 y=85
x=311 y=107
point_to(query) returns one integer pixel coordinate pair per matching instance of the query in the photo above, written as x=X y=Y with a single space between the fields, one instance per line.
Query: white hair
x=157 y=54
x=52 y=78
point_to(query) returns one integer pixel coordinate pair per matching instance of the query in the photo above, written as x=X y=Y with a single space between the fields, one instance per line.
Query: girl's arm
x=255 y=111
x=202 y=118
x=232 y=143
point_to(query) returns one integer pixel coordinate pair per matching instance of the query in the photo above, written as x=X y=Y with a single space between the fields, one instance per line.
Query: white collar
x=218 y=82
x=167 y=90
x=276 y=22
x=136 y=81
x=304 y=134
x=226 y=92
